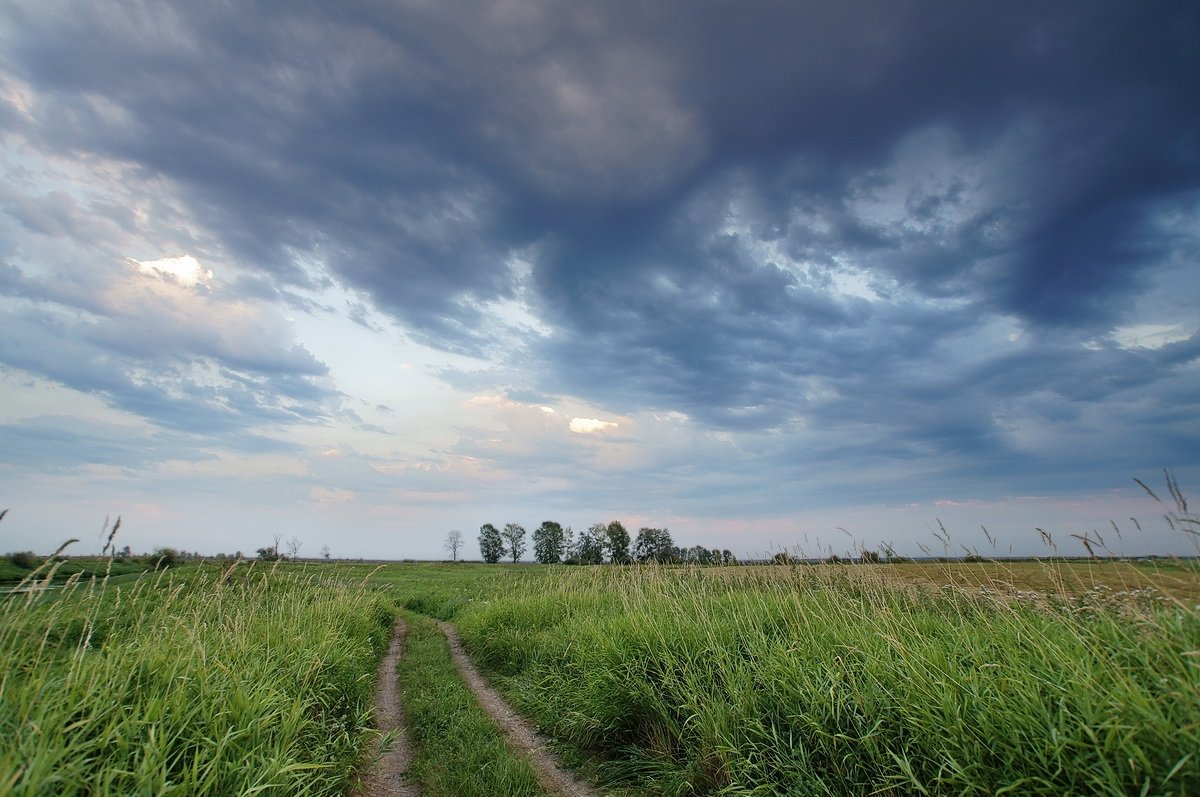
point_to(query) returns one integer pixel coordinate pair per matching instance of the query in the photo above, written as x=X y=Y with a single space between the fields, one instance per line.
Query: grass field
x=908 y=678
x=836 y=680
x=188 y=684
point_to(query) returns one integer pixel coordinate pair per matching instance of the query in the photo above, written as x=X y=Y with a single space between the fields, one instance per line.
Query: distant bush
x=26 y=560
x=165 y=557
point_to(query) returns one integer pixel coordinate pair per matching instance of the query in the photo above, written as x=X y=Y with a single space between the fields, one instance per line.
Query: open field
x=1162 y=580
x=1166 y=579
x=188 y=683
x=831 y=680
x=907 y=678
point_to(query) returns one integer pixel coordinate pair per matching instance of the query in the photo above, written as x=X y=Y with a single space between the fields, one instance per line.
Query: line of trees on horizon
x=601 y=543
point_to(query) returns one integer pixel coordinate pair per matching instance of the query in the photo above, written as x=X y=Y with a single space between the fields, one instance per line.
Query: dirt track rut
x=556 y=781
x=387 y=777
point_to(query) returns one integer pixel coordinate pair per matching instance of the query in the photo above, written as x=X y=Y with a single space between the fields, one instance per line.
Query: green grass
x=458 y=750
x=824 y=682
x=439 y=589
x=936 y=678
x=11 y=574
x=187 y=684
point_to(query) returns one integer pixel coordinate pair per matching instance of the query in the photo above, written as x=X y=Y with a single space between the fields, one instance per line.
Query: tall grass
x=201 y=683
x=826 y=682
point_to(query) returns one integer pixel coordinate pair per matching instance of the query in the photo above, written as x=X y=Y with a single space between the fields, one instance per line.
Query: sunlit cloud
x=184 y=270
x=590 y=425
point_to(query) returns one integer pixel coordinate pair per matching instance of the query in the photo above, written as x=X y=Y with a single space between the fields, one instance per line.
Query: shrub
x=165 y=557
x=27 y=560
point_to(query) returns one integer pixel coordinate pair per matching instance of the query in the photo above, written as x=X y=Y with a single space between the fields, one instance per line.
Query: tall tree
x=453 y=544
x=514 y=535
x=491 y=544
x=617 y=542
x=590 y=550
x=548 y=541
x=653 y=545
x=569 y=552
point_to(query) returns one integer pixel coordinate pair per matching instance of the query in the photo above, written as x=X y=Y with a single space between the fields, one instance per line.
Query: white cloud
x=590 y=425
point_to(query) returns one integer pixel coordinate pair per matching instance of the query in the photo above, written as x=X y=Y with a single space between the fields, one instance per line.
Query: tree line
x=610 y=542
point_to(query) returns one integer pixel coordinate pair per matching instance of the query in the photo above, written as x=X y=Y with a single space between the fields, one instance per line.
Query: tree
x=268 y=553
x=491 y=544
x=454 y=542
x=653 y=545
x=165 y=557
x=570 y=555
x=548 y=542
x=514 y=535
x=590 y=550
x=325 y=552
x=617 y=542
x=293 y=547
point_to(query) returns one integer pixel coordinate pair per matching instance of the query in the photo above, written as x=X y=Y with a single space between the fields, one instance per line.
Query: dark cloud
x=828 y=215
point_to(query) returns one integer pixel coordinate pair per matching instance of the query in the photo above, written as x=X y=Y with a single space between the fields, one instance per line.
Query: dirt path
x=520 y=734
x=387 y=777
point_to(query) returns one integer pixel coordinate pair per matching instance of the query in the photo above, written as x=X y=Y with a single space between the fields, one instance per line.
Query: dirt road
x=555 y=780
x=388 y=777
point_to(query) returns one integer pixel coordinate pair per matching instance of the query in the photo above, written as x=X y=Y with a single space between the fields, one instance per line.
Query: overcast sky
x=362 y=273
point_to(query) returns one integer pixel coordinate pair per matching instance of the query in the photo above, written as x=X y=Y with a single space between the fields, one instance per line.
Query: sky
x=776 y=276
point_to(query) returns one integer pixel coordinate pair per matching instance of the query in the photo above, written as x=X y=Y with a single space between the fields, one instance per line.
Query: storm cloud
x=859 y=240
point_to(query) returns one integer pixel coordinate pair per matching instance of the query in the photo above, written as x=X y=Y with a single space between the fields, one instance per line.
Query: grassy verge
x=187 y=684
x=457 y=748
x=827 y=683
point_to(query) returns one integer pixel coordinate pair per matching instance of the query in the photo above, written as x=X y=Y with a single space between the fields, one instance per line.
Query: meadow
x=834 y=679
x=1053 y=677
x=201 y=681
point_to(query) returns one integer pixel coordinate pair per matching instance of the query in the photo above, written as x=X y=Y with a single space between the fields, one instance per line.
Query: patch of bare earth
x=387 y=778
x=555 y=780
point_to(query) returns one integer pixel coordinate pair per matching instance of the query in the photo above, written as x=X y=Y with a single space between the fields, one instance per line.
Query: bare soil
x=555 y=780
x=388 y=777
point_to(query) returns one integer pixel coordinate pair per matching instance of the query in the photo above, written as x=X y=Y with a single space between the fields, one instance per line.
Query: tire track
x=555 y=780
x=387 y=777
